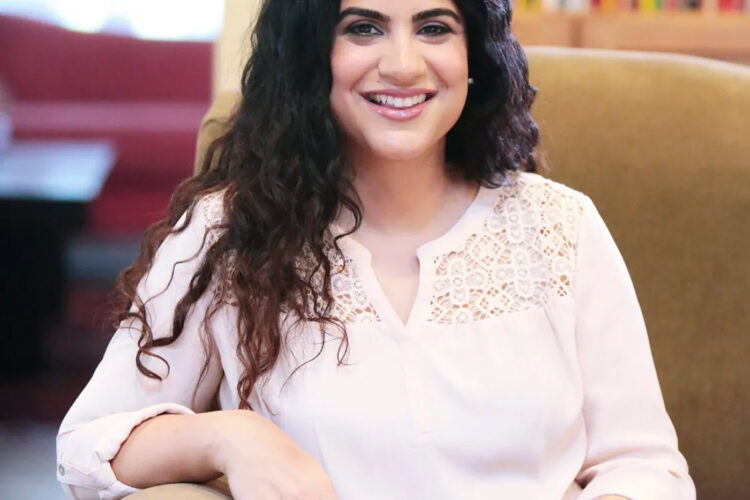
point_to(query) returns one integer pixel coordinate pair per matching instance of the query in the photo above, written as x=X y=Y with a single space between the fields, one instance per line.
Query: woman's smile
x=399 y=105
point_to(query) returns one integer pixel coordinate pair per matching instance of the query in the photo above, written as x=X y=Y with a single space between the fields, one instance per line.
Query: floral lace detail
x=351 y=304
x=350 y=301
x=525 y=251
x=211 y=209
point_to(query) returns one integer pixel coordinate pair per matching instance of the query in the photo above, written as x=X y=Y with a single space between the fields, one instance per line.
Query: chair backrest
x=661 y=143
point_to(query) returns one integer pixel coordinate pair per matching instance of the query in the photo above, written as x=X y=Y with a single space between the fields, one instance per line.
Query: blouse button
x=61 y=470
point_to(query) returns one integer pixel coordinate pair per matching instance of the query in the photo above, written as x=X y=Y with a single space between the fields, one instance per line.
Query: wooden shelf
x=723 y=36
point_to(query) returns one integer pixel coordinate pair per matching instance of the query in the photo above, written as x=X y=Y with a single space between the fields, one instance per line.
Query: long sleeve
x=632 y=445
x=118 y=397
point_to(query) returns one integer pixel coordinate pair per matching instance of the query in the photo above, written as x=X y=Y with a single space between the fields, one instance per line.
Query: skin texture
x=260 y=461
x=167 y=448
x=377 y=55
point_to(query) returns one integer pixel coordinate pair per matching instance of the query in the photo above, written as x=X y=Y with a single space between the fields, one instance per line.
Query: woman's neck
x=410 y=196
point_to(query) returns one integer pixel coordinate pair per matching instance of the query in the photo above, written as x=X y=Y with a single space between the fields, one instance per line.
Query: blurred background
x=100 y=105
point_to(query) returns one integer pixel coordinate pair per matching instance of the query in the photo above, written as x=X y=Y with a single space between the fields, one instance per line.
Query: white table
x=55 y=170
x=45 y=188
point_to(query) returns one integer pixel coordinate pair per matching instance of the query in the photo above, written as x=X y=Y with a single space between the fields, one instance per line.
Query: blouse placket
x=409 y=335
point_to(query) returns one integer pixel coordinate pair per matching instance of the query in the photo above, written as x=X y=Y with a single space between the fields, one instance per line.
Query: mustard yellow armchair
x=661 y=143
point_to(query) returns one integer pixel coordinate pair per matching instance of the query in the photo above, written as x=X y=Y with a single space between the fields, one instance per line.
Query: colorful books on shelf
x=644 y=6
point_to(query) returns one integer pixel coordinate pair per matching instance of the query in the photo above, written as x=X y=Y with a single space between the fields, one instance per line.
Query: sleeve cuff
x=641 y=482
x=84 y=452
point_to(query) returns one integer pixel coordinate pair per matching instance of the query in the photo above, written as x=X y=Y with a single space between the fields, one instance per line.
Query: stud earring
x=471 y=80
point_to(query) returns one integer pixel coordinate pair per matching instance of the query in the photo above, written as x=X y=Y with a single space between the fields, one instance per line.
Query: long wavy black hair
x=281 y=169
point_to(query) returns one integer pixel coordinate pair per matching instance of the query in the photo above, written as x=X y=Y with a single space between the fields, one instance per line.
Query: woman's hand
x=262 y=462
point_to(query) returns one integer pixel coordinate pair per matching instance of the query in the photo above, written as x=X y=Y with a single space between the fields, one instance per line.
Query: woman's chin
x=401 y=149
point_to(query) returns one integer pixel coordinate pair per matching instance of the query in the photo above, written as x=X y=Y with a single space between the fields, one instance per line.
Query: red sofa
x=147 y=97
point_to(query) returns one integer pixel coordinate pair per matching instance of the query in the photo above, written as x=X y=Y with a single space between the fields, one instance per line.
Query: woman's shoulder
x=540 y=201
x=202 y=223
x=537 y=216
x=210 y=207
x=538 y=190
x=524 y=252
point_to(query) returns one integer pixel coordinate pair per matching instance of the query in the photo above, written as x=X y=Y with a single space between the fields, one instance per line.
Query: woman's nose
x=402 y=62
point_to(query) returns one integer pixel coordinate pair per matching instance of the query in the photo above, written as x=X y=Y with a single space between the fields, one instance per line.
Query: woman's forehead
x=396 y=6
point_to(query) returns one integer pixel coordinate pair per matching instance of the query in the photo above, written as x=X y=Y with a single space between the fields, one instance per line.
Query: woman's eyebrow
x=419 y=16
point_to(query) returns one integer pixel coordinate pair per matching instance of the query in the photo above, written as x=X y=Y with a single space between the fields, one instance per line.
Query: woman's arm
x=168 y=449
x=632 y=444
x=259 y=459
x=127 y=431
x=119 y=397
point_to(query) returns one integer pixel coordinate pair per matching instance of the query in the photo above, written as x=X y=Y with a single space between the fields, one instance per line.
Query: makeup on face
x=399 y=73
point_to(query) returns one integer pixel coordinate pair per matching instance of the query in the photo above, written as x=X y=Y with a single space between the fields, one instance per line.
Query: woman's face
x=398 y=53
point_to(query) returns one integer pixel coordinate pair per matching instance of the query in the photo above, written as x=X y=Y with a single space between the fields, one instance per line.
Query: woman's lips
x=398 y=114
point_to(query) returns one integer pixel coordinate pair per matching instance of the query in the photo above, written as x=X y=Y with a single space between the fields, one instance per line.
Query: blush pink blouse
x=523 y=371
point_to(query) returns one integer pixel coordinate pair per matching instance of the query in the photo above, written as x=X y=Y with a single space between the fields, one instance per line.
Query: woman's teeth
x=397 y=102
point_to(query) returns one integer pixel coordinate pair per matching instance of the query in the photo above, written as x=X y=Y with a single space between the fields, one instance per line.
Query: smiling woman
x=368 y=293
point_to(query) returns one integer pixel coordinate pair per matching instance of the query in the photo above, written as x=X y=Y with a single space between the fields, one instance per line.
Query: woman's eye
x=436 y=29
x=368 y=30
x=362 y=29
